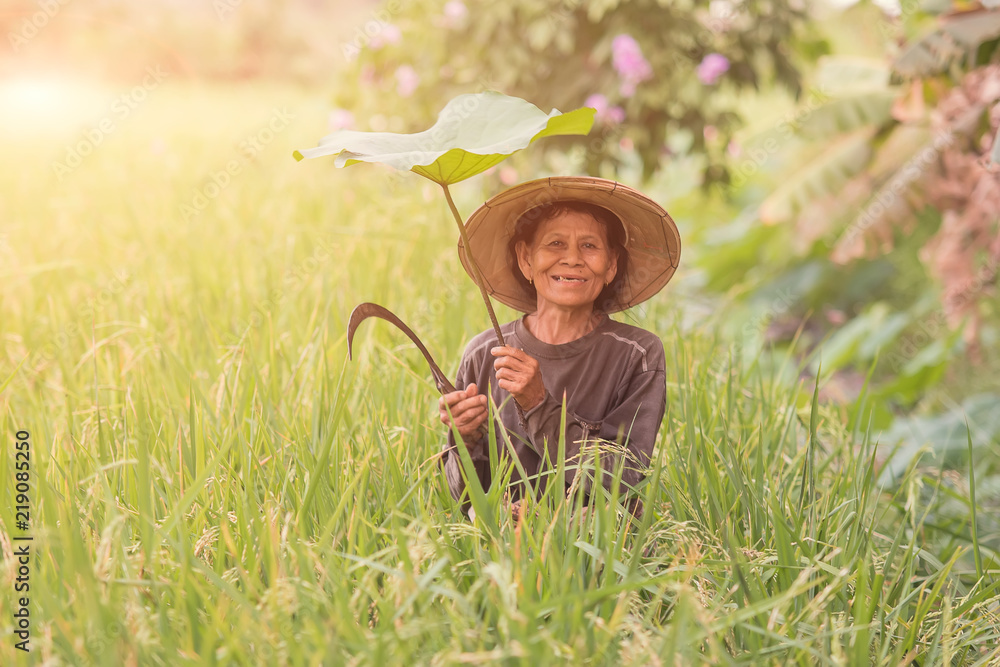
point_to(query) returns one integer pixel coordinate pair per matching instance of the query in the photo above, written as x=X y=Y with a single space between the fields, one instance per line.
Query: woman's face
x=569 y=261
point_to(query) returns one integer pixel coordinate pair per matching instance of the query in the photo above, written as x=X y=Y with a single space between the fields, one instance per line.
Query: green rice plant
x=215 y=483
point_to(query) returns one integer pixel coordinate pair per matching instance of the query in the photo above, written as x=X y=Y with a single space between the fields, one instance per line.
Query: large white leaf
x=472 y=133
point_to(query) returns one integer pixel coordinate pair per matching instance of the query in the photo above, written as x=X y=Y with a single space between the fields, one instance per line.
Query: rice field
x=213 y=482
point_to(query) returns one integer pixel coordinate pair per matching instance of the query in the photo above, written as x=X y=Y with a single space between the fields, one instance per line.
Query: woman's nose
x=571 y=256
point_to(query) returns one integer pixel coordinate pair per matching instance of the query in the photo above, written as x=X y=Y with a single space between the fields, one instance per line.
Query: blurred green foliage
x=880 y=223
x=216 y=483
x=642 y=57
x=775 y=208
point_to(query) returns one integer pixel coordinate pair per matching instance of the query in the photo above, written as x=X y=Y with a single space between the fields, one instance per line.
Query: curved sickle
x=365 y=310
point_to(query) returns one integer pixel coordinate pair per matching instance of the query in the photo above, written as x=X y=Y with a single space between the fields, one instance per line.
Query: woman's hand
x=468 y=409
x=518 y=373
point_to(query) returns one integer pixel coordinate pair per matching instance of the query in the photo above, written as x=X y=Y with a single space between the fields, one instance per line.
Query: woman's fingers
x=448 y=402
x=467 y=408
x=468 y=412
x=518 y=373
x=475 y=405
x=514 y=360
x=451 y=398
x=468 y=421
x=455 y=398
x=513 y=367
x=509 y=355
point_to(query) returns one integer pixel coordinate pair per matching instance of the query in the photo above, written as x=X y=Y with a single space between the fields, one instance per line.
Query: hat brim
x=652 y=240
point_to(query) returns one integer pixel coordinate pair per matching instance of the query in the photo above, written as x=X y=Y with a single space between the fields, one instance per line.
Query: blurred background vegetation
x=832 y=168
x=832 y=165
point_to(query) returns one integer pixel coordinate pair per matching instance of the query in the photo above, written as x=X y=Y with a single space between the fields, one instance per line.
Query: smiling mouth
x=568 y=279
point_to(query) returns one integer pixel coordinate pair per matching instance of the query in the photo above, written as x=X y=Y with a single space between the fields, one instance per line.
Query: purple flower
x=407 y=80
x=712 y=67
x=632 y=67
x=341 y=119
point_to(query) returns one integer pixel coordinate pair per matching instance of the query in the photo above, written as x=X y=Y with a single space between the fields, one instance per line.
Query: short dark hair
x=527 y=225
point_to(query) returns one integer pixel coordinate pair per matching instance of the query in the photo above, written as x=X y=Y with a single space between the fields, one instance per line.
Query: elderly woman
x=565 y=251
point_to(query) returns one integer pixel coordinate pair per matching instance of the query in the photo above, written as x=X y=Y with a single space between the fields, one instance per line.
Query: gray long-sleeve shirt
x=615 y=387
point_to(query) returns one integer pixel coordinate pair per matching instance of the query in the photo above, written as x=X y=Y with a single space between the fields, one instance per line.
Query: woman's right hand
x=468 y=409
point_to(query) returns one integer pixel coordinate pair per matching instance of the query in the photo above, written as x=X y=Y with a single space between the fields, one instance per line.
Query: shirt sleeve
x=633 y=422
x=450 y=461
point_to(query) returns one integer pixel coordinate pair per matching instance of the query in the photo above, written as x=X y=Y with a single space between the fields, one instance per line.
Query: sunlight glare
x=28 y=102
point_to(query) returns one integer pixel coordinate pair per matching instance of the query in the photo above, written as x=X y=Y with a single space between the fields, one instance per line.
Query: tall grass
x=215 y=483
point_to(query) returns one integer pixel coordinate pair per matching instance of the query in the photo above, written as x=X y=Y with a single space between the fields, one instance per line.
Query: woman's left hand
x=518 y=373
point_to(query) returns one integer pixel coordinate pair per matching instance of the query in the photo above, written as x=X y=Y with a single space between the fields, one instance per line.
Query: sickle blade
x=365 y=310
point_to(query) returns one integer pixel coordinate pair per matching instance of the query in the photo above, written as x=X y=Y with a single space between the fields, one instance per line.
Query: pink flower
x=456 y=9
x=712 y=67
x=455 y=13
x=389 y=34
x=598 y=102
x=605 y=114
x=835 y=317
x=508 y=176
x=392 y=34
x=407 y=80
x=632 y=67
x=341 y=119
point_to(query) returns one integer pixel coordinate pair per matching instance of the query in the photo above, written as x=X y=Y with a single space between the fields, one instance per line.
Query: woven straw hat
x=651 y=237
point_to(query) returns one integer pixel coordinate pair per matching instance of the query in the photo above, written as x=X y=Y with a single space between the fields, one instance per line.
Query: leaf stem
x=477 y=274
